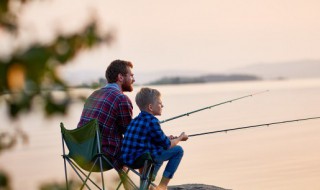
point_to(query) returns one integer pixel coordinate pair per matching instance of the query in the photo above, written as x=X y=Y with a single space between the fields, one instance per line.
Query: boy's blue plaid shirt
x=144 y=134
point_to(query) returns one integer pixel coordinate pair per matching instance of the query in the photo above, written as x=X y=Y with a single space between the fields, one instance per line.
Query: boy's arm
x=175 y=141
x=157 y=136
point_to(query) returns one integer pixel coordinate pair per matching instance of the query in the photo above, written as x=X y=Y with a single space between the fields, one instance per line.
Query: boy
x=144 y=134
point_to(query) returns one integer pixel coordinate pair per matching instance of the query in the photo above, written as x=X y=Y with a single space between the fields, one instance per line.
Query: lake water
x=278 y=157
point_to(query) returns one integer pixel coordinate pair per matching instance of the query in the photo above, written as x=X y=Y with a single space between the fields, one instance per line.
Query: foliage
x=4 y=181
x=29 y=75
x=32 y=72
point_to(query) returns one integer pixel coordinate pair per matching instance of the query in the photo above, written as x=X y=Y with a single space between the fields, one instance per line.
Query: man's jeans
x=173 y=156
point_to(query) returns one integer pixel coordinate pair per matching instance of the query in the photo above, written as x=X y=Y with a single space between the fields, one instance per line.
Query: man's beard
x=127 y=87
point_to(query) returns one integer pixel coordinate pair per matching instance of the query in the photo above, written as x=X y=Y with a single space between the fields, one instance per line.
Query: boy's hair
x=117 y=67
x=146 y=96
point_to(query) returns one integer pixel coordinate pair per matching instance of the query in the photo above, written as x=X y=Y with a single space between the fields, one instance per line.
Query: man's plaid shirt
x=113 y=109
x=144 y=134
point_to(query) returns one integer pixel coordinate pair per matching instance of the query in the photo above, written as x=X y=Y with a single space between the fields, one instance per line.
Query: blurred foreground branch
x=31 y=73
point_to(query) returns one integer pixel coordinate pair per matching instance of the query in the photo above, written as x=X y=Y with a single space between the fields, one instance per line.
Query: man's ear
x=120 y=77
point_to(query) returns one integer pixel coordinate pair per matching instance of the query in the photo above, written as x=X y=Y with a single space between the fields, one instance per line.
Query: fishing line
x=209 y=107
x=253 y=126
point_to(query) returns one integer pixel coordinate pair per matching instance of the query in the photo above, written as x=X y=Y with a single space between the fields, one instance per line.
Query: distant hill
x=277 y=70
x=204 y=79
x=147 y=77
x=293 y=69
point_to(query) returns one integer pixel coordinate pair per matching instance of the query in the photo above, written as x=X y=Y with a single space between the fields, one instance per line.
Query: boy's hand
x=176 y=140
x=172 y=137
x=183 y=136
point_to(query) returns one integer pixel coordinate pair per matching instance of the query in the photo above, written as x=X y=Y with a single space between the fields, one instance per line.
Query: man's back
x=113 y=110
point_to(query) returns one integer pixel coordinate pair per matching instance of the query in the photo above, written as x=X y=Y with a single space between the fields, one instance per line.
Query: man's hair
x=146 y=96
x=117 y=67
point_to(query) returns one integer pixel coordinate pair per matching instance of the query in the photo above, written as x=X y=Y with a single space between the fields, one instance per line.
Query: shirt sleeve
x=125 y=113
x=157 y=135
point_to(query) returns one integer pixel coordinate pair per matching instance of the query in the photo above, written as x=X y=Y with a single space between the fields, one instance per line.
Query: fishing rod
x=253 y=126
x=209 y=107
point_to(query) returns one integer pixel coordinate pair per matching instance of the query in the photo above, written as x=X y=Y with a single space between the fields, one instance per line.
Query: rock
x=195 y=186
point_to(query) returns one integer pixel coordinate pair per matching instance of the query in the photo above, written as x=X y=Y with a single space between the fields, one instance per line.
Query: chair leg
x=151 y=175
x=88 y=176
x=101 y=171
x=128 y=184
x=64 y=160
x=77 y=170
x=146 y=176
x=65 y=172
x=85 y=182
x=126 y=173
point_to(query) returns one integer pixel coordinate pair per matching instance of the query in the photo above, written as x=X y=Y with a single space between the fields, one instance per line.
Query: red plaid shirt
x=113 y=109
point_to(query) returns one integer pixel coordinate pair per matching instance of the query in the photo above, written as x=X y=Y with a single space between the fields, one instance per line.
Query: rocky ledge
x=195 y=186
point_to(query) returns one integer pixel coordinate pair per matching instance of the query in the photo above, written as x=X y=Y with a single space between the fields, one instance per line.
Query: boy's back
x=144 y=134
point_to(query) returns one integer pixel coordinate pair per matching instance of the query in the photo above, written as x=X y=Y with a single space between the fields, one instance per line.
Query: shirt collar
x=146 y=113
x=113 y=85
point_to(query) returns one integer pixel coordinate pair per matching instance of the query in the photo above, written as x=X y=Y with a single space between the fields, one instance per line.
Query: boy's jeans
x=173 y=156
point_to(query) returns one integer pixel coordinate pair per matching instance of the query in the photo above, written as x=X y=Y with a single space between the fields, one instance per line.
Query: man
x=111 y=108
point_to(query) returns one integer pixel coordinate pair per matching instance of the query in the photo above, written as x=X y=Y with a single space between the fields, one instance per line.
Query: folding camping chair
x=85 y=157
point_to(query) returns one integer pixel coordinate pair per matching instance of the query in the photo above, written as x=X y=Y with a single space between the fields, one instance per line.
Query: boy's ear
x=150 y=107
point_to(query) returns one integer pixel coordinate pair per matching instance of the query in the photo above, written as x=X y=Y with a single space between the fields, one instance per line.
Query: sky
x=173 y=36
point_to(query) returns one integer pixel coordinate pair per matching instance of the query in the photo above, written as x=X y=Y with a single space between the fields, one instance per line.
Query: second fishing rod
x=209 y=107
x=253 y=126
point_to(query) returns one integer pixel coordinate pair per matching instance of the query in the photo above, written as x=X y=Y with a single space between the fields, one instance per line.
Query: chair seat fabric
x=83 y=146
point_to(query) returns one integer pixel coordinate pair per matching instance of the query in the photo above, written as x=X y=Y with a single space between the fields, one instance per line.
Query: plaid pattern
x=113 y=109
x=144 y=134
